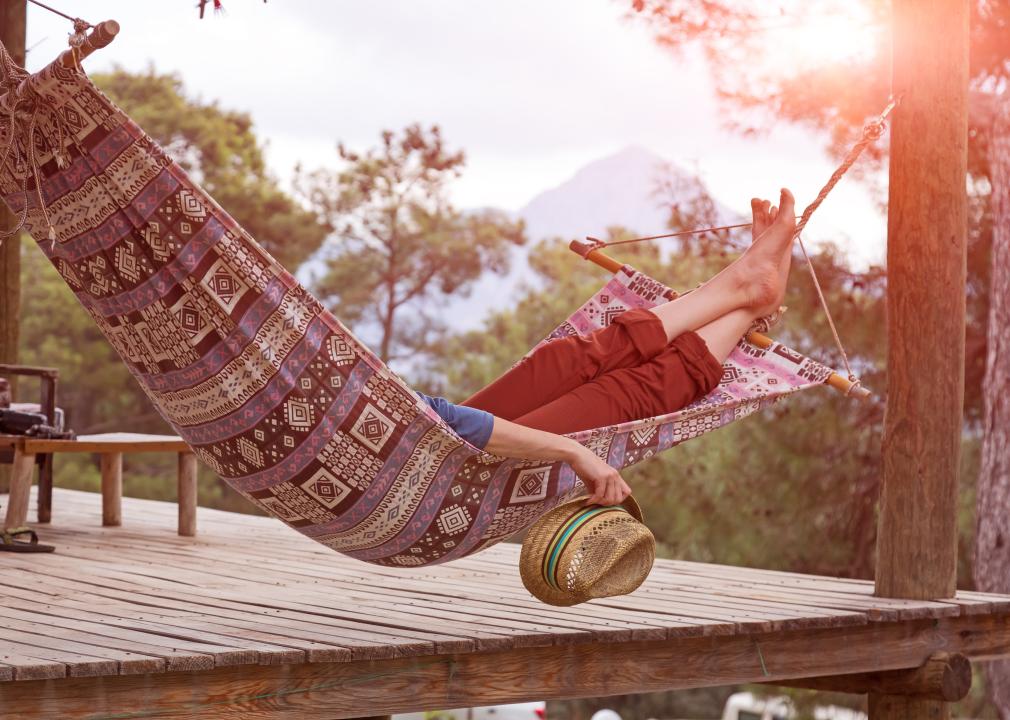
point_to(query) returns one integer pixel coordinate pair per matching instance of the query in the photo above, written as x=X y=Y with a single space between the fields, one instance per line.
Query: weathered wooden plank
x=77 y=664
x=222 y=655
x=721 y=604
x=18 y=666
x=462 y=608
x=124 y=662
x=104 y=636
x=464 y=611
x=317 y=570
x=358 y=636
x=909 y=609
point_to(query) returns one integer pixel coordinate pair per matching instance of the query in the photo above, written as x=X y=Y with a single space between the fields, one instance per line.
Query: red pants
x=622 y=372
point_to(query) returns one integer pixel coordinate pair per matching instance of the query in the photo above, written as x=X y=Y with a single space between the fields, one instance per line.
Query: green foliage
x=403 y=247
x=220 y=151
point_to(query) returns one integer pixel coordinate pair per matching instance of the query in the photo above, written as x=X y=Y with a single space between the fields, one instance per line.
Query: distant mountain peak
x=617 y=189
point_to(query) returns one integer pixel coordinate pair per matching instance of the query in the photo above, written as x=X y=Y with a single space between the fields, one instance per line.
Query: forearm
x=604 y=482
x=511 y=440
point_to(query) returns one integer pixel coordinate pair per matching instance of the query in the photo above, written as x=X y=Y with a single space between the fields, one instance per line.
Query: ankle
x=759 y=287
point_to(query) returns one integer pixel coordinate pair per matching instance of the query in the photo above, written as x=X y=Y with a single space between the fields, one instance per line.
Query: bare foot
x=763 y=269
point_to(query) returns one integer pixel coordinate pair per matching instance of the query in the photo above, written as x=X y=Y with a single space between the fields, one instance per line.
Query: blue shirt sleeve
x=471 y=424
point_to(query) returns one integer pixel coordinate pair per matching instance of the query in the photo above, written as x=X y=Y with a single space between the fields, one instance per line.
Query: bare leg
x=722 y=334
x=755 y=282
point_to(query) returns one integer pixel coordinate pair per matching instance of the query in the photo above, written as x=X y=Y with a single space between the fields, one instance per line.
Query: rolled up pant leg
x=634 y=337
x=683 y=372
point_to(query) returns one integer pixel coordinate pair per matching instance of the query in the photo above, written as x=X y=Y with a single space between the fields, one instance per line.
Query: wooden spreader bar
x=839 y=382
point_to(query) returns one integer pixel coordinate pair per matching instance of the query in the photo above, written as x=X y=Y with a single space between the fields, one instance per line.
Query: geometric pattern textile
x=267 y=386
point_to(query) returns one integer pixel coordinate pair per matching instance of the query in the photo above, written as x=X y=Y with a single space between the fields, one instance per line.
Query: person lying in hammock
x=646 y=363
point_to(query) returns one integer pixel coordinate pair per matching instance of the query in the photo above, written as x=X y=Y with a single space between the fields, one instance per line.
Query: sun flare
x=848 y=33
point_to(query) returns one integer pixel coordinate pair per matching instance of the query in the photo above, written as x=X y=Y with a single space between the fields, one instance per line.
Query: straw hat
x=577 y=552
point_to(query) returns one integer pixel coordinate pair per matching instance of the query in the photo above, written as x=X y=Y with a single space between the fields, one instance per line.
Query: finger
x=773 y=213
x=614 y=493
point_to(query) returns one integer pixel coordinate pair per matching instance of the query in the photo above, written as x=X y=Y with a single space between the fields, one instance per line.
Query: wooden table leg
x=112 y=488
x=21 y=487
x=187 y=494
x=45 y=496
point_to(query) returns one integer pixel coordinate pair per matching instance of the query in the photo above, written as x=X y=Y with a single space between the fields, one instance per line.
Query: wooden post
x=21 y=487
x=12 y=35
x=112 y=488
x=187 y=494
x=927 y=218
x=13 y=15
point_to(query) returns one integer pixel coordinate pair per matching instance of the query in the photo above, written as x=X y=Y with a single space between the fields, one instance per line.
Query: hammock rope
x=872 y=131
x=76 y=21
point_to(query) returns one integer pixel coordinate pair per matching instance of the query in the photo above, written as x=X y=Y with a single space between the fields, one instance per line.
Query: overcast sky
x=530 y=89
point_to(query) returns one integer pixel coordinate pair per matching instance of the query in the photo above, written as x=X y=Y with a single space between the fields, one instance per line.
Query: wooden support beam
x=926 y=264
x=944 y=676
x=331 y=690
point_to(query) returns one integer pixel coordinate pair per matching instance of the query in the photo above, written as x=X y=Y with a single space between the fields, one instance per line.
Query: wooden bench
x=110 y=446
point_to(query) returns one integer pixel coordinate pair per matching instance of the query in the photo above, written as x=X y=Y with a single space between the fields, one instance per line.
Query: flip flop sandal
x=10 y=543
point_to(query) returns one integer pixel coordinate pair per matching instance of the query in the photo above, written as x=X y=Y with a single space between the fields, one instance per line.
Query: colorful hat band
x=564 y=534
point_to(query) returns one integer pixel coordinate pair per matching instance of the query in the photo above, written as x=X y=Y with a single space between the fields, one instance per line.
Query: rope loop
x=856 y=382
x=874 y=129
x=80 y=34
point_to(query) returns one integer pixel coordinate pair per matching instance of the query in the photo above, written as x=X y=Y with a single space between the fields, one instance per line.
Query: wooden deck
x=251 y=619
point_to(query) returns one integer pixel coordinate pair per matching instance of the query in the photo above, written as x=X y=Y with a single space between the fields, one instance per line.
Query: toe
x=759 y=220
x=787 y=204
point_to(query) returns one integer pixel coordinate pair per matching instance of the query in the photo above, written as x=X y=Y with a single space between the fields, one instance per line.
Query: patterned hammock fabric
x=270 y=389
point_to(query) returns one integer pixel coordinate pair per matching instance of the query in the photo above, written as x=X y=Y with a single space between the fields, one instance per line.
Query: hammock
x=271 y=390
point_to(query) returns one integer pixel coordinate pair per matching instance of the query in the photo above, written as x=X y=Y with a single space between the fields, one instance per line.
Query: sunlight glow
x=824 y=39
